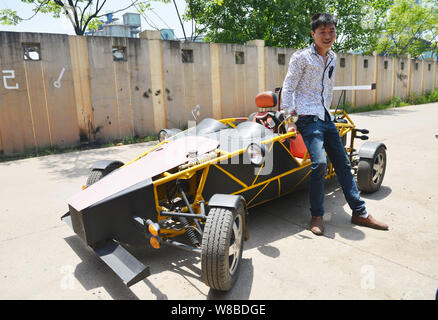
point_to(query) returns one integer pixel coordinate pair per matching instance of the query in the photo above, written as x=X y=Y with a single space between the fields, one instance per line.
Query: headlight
x=163 y=135
x=256 y=154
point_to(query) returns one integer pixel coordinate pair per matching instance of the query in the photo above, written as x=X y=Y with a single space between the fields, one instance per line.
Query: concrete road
x=41 y=258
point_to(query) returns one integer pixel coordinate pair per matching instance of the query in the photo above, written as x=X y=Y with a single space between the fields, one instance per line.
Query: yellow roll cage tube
x=188 y=173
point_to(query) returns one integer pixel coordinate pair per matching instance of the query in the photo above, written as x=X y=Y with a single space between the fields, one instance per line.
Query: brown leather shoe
x=369 y=222
x=317 y=226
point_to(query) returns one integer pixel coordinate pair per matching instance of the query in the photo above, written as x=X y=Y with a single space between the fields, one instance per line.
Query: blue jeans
x=321 y=137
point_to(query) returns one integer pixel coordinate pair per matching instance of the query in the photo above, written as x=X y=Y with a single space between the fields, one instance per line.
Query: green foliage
x=94 y=24
x=428 y=97
x=395 y=102
x=285 y=23
x=359 y=23
x=416 y=99
x=371 y=107
x=410 y=28
x=9 y=17
x=432 y=96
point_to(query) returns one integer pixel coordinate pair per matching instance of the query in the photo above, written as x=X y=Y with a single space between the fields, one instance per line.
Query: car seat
x=269 y=119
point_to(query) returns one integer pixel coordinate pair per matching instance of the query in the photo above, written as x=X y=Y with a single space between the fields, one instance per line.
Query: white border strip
x=363 y=87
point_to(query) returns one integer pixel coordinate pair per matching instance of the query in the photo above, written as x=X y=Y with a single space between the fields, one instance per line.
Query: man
x=307 y=93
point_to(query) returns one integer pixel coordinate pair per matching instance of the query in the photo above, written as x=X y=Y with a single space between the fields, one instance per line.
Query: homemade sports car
x=193 y=189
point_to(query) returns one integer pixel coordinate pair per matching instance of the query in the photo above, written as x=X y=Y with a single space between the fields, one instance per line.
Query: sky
x=164 y=17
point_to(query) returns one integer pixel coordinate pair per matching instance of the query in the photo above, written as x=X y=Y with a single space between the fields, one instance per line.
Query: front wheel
x=370 y=172
x=222 y=247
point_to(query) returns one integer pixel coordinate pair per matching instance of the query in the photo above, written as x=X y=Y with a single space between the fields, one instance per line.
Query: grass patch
x=396 y=102
x=58 y=150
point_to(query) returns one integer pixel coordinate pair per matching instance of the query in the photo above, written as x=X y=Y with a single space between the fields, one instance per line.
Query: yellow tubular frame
x=343 y=129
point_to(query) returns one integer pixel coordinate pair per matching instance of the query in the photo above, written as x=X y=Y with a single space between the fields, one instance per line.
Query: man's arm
x=290 y=83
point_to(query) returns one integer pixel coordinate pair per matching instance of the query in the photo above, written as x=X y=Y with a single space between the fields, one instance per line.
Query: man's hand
x=291 y=127
x=294 y=116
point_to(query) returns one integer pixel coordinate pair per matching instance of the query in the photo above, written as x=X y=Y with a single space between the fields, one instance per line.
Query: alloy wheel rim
x=235 y=241
x=378 y=166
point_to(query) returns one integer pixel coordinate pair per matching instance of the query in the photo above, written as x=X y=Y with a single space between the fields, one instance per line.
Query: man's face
x=324 y=36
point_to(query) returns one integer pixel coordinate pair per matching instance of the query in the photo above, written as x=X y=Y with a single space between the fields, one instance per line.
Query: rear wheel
x=222 y=247
x=370 y=172
x=97 y=174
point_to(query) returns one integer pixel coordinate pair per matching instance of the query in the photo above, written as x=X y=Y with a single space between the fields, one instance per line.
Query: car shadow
x=242 y=287
x=383 y=192
x=290 y=216
x=287 y=216
x=93 y=273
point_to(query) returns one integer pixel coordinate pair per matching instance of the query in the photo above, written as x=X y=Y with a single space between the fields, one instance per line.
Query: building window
x=385 y=64
x=365 y=63
x=240 y=57
x=31 y=51
x=429 y=67
x=187 y=56
x=119 y=53
x=342 y=63
x=281 y=59
x=416 y=65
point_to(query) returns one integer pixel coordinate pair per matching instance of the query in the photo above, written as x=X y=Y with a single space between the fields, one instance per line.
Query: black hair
x=322 y=19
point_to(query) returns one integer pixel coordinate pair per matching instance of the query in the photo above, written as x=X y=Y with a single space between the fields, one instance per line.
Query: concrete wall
x=402 y=77
x=34 y=114
x=186 y=84
x=239 y=82
x=275 y=70
x=416 y=77
x=365 y=74
x=77 y=93
x=345 y=75
x=428 y=73
x=385 y=74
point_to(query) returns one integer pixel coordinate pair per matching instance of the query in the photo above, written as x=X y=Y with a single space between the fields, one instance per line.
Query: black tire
x=224 y=229
x=370 y=172
x=97 y=174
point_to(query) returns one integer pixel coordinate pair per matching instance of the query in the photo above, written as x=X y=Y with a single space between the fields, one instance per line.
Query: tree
x=360 y=23
x=286 y=23
x=410 y=28
x=280 y=23
x=81 y=13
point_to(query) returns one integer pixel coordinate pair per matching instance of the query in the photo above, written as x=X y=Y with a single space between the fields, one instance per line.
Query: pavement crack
x=29 y=234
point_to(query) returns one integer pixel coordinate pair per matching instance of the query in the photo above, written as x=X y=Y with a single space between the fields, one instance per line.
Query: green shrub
x=432 y=96
x=416 y=99
x=395 y=102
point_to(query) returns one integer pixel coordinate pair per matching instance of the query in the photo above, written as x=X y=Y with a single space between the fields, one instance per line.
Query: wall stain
x=169 y=98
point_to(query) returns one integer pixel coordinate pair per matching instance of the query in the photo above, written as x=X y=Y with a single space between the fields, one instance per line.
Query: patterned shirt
x=308 y=86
